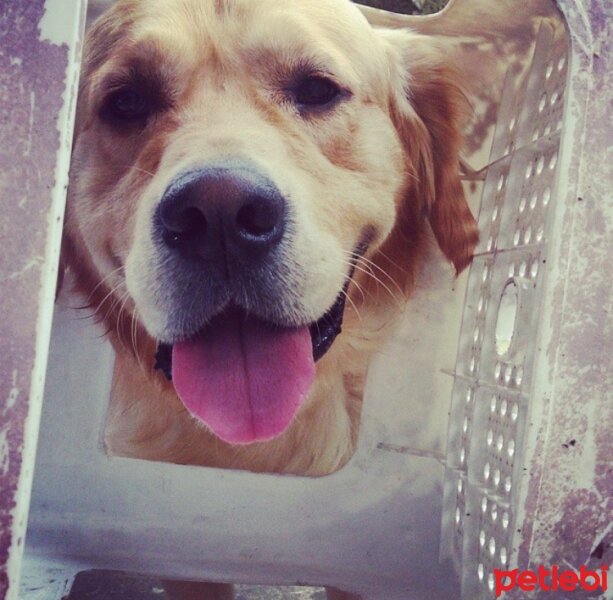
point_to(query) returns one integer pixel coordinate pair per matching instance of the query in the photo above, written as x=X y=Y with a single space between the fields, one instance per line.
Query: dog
x=247 y=176
x=253 y=184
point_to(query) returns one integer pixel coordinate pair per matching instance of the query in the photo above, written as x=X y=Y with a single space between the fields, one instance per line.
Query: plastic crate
x=485 y=440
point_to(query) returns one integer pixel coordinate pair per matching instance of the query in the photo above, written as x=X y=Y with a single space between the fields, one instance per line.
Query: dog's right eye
x=126 y=105
x=315 y=91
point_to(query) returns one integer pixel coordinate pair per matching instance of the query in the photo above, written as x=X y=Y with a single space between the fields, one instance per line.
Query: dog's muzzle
x=323 y=333
x=235 y=361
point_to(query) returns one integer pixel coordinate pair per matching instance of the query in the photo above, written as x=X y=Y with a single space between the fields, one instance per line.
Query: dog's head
x=234 y=163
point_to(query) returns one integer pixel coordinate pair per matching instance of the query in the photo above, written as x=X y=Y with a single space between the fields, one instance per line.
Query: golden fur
x=386 y=161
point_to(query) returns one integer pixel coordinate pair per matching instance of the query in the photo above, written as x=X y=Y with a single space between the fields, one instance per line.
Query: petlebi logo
x=551 y=580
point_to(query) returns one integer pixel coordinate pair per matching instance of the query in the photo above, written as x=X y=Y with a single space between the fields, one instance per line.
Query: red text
x=551 y=580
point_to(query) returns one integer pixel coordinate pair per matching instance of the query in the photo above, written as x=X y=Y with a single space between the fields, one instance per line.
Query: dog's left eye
x=126 y=105
x=316 y=91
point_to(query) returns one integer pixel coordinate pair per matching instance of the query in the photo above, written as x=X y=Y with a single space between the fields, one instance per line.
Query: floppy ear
x=428 y=108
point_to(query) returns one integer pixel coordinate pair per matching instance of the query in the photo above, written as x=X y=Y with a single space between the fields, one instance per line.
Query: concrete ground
x=109 y=585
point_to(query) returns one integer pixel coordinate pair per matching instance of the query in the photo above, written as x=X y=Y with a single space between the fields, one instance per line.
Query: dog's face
x=233 y=161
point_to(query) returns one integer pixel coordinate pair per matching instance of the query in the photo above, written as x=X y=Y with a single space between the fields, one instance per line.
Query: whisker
x=355 y=308
x=124 y=301
x=400 y=267
x=380 y=282
x=102 y=281
x=360 y=289
x=134 y=332
x=116 y=301
x=108 y=295
x=369 y=264
x=383 y=272
x=143 y=170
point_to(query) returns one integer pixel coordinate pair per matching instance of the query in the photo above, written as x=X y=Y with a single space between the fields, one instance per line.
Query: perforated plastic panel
x=491 y=394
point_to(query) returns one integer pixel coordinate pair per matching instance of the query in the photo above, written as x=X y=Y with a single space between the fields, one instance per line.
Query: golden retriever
x=246 y=177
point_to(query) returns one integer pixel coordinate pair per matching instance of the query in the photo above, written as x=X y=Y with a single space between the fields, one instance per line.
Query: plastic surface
x=38 y=72
x=495 y=365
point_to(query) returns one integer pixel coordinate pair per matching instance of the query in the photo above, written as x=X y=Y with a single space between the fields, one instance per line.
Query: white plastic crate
x=494 y=371
x=459 y=469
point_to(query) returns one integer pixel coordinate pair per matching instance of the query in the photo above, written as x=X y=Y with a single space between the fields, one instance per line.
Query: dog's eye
x=126 y=105
x=316 y=91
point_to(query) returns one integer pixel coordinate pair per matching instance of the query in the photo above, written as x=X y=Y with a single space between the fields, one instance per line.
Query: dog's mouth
x=323 y=333
x=245 y=377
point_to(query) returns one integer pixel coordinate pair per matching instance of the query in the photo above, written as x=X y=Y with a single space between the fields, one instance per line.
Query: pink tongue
x=244 y=378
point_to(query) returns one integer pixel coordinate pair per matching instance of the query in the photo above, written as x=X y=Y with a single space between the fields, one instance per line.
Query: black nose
x=222 y=213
